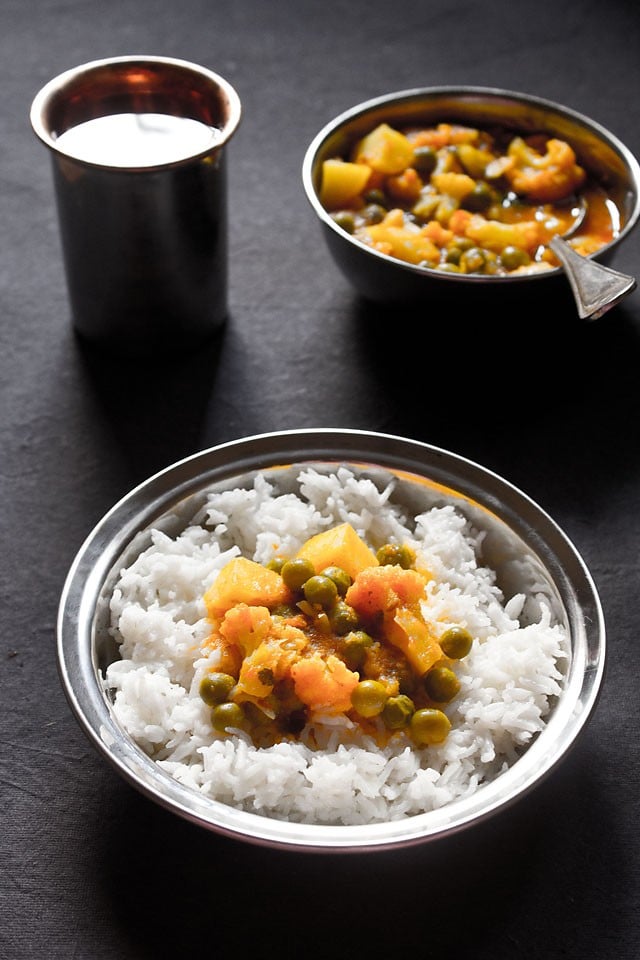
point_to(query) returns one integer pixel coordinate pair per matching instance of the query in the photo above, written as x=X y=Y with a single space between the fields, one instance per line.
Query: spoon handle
x=595 y=288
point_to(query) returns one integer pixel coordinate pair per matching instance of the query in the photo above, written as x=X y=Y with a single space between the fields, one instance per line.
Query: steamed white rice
x=508 y=680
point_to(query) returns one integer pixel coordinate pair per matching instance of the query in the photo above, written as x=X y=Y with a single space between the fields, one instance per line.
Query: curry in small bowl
x=466 y=187
x=467 y=200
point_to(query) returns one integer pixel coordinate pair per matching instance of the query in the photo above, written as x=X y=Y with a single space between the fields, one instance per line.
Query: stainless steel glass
x=522 y=543
x=144 y=243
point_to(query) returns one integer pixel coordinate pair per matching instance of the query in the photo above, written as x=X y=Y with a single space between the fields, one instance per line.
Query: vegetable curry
x=335 y=630
x=465 y=200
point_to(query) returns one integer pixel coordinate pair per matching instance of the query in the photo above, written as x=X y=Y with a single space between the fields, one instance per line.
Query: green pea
x=429 y=726
x=374 y=213
x=491 y=263
x=480 y=198
x=473 y=260
x=295 y=573
x=276 y=564
x=343 y=618
x=397 y=712
x=369 y=697
x=354 y=648
x=456 y=642
x=345 y=220
x=322 y=590
x=425 y=160
x=396 y=554
x=340 y=577
x=375 y=196
x=215 y=688
x=513 y=257
x=227 y=715
x=441 y=684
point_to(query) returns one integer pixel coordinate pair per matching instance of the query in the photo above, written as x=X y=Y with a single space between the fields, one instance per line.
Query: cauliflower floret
x=543 y=177
x=496 y=236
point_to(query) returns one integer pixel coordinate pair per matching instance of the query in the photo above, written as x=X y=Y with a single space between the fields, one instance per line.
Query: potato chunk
x=342 y=182
x=385 y=588
x=406 y=630
x=385 y=150
x=244 y=581
x=340 y=547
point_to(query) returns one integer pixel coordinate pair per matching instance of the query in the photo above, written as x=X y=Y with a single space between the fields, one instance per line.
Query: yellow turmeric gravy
x=364 y=652
x=465 y=200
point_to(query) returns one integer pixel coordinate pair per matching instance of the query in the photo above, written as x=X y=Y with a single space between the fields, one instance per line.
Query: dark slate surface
x=90 y=869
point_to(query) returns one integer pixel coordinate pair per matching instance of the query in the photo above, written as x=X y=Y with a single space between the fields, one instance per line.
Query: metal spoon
x=596 y=288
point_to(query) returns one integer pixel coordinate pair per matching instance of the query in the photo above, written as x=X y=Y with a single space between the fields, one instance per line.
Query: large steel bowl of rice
x=324 y=746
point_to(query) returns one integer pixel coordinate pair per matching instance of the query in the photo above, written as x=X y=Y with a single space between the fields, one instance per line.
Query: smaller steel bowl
x=382 y=278
x=528 y=551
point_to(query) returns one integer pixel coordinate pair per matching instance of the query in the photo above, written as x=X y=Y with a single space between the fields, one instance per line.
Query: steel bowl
x=382 y=278
x=522 y=543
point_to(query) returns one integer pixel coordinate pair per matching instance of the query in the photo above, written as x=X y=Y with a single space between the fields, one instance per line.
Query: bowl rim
x=144 y=504
x=416 y=93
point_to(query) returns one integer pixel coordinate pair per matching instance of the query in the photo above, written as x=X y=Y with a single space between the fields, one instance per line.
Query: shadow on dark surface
x=155 y=403
x=509 y=387
x=170 y=882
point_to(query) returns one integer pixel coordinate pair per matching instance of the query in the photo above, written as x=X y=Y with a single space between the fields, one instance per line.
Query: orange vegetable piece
x=245 y=626
x=406 y=630
x=436 y=232
x=340 y=547
x=444 y=135
x=405 y=186
x=459 y=221
x=324 y=685
x=244 y=581
x=383 y=588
